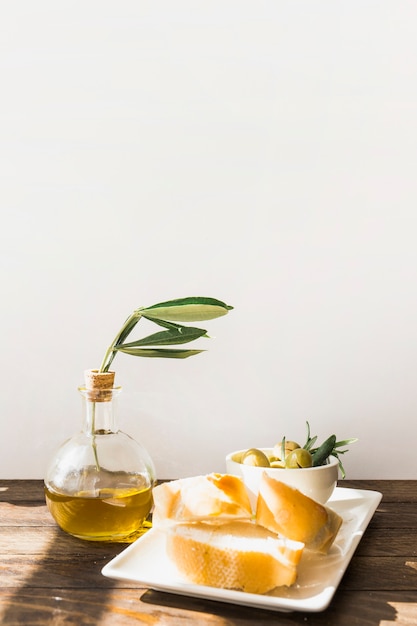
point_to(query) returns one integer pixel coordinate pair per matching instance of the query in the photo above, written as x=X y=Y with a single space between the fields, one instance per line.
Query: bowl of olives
x=313 y=470
x=317 y=482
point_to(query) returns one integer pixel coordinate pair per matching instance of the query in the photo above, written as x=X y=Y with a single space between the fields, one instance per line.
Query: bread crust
x=288 y=512
x=199 y=498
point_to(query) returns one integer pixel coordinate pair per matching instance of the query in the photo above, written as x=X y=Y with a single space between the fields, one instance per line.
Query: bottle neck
x=100 y=411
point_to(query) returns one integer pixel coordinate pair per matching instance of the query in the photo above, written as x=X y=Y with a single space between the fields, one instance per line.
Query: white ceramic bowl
x=316 y=482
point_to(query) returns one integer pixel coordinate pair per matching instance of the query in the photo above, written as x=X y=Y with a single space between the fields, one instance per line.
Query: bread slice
x=288 y=512
x=199 y=498
x=233 y=555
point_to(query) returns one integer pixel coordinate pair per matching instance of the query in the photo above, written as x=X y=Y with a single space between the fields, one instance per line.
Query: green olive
x=289 y=446
x=299 y=458
x=277 y=463
x=256 y=457
x=273 y=459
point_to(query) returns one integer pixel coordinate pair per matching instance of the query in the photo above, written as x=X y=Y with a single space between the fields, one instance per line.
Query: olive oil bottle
x=98 y=485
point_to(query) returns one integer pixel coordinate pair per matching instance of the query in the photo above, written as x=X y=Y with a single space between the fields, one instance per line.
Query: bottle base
x=115 y=515
x=130 y=538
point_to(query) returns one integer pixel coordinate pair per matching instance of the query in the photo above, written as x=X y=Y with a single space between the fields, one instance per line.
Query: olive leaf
x=164 y=323
x=194 y=309
x=160 y=352
x=322 y=453
x=166 y=314
x=173 y=336
x=329 y=447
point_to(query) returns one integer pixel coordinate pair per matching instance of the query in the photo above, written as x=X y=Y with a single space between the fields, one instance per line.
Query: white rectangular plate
x=146 y=562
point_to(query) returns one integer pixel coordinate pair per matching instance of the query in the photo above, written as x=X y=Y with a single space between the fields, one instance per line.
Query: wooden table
x=50 y=578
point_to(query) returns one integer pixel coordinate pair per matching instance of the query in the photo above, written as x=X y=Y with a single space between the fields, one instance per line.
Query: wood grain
x=49 y=578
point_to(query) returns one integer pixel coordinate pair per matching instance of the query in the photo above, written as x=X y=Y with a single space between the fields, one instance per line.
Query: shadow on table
x=341 y=612
x=54 y=578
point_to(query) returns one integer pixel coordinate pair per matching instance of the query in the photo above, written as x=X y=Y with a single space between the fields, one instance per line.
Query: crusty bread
x=233 y=555
x=199 y=498
x=288 y=512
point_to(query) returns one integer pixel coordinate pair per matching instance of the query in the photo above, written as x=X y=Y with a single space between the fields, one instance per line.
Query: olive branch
x=167 y=315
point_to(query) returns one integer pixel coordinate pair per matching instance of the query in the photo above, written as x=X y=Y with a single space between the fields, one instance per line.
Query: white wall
x=259 y=152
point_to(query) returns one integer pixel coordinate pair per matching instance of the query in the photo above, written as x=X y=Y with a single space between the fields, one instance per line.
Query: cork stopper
x=99 y=385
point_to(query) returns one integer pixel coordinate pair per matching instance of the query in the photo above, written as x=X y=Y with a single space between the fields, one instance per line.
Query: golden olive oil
x=109 y=515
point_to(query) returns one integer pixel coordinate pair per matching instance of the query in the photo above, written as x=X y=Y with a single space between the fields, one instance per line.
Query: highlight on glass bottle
x=98 y=485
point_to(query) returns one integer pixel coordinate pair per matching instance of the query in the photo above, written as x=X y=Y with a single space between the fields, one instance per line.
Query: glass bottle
x=98 y=486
